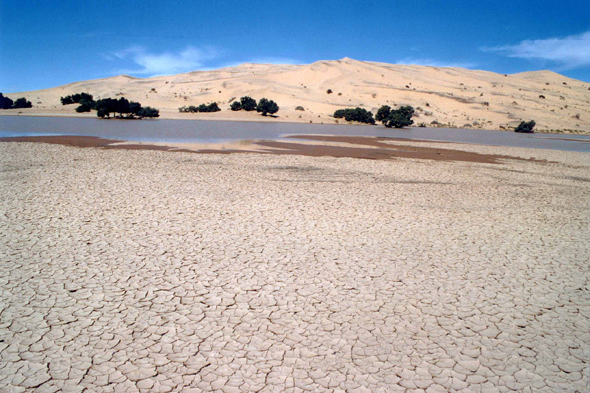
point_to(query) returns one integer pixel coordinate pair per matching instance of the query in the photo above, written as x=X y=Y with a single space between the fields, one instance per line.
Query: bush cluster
x=397 y=118
x=357 y=114
x=7 y=103
x=201 y=108
x=264 y=106
x=76 y=98
x=125 y=108
x=526 y=127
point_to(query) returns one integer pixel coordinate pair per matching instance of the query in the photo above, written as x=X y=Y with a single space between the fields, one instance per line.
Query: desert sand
x=154 y=271
x=451 y=96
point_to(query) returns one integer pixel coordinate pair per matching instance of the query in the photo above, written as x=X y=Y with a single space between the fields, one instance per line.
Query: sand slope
x=456 y=96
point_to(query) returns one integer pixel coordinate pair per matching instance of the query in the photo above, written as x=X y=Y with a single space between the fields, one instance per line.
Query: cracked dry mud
x=127 y=271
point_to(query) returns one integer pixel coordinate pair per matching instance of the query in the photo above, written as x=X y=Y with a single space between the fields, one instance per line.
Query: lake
x=210 y=131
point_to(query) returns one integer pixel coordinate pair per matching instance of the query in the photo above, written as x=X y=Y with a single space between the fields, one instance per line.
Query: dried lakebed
x=140 y=271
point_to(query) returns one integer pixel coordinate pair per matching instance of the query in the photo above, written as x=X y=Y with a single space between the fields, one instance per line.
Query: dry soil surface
x=132 y=270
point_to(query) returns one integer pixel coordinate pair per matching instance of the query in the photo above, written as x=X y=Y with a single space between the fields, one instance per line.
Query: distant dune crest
x=442 y=96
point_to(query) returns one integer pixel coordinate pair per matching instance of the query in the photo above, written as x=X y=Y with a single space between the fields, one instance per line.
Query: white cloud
x=166 y=63
x=572 y=51
x=434 y=63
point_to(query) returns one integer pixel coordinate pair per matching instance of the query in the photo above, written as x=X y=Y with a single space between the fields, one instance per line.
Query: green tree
x=357 y=114
x=526 y=127
x=398 y=118
x=248 y=103
x=235 y=106
x=148 y=112
x=267 y=106
x=383 y=112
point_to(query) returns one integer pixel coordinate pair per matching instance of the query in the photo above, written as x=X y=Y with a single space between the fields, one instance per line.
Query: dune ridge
x=452 y=96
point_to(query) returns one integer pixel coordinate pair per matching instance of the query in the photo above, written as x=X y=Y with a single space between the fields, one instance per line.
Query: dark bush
x=22 y=103
x=83 y=108
x=131 y=110
x=329 y=91
x=201 y=108
x=267 y=106
x=248 y=103
x=526 y=127
x=5 y=102
x=148 y=112
x=357 y=114
x=76 y=98
x=383 y=112
x=397 y=118
x=299 y=108
x=235 y=106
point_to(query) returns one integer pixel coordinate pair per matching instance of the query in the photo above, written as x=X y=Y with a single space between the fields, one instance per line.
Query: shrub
x=267 y=106
x=526 y=127
x=5 y=102
x=22 y=103
x=76 y=98
x=235 y=106
x=329 y=91
x=299 y=108
x=357 y=114
x=201 y=108
x=148 y=112
x=397 y=118
x=248 y=103
x=83 y=108
x=383 y=112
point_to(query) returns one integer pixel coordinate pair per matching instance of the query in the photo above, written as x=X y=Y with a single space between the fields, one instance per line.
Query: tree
x=235 y=106
x=22 y=103
x=148 y=112
x=267 y=106
x=526 y=127
x=5 y=102
x=383 y=112
x=83 y=108
x=397 y=118
x=357 y=114
x=248 y=103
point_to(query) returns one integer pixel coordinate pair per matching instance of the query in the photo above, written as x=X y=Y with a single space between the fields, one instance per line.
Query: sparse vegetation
x=526 y=127
x=213 y=107
x=357 y=114
x=76 y=98
x=299 y=108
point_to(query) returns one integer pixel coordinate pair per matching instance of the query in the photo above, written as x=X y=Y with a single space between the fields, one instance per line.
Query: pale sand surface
x=454 y=96
x=160 y=271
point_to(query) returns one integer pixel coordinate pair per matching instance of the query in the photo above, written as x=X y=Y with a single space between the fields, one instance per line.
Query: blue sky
x=46 y=43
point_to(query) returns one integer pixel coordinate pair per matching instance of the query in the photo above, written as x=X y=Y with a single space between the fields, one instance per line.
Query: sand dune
x=450 y=96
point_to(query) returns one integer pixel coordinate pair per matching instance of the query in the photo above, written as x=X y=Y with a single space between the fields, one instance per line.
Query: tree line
x=264 y=106
x=201 y=108
x=107 y=106
x=397 y=118
x=7 y=103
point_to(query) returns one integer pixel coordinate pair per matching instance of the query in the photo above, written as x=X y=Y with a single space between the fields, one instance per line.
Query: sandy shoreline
x=143 y=270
